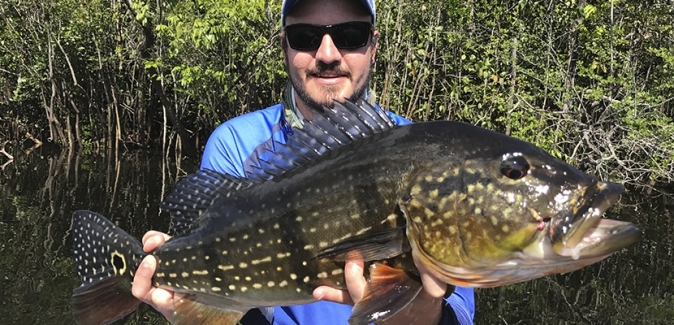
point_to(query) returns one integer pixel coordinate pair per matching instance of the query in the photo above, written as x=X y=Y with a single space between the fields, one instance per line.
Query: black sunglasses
x=346 y=36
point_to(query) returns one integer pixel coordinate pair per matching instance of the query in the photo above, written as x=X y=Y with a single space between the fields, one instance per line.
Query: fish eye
x=514 y=167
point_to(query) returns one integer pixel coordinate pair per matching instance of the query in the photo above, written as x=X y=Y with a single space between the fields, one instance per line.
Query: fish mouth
x=582 y=233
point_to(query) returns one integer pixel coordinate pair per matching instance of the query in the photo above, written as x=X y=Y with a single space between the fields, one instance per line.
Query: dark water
x=39 y=192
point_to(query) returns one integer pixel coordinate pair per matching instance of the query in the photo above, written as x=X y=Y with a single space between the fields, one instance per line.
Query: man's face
x=328 y=73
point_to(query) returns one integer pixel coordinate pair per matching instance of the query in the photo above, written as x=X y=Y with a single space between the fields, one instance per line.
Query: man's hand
x=159 y=299
x=426 y=308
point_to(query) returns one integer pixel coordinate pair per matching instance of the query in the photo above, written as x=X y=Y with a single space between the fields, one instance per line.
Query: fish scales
x=475 y=207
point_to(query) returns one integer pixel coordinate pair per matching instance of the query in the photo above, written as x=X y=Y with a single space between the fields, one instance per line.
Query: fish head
x=496 y=217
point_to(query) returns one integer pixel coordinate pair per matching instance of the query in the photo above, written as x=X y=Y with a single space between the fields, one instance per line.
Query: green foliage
x=590 y=82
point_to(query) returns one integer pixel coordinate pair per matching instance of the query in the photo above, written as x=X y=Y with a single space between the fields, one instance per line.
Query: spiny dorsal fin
x=194 y=194
x=327 y=131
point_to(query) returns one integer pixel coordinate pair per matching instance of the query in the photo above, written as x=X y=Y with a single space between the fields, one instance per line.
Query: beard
x=327 y=94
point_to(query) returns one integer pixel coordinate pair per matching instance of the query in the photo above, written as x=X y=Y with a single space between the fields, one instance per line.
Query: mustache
x=332 y=68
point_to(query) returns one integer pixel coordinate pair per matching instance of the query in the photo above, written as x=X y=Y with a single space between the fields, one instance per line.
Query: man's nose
x=327 y=52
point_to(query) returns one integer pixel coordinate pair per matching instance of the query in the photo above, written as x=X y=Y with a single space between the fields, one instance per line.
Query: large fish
x=476 y=207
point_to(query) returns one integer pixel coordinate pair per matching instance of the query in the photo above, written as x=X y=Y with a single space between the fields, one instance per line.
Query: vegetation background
x=590 y=81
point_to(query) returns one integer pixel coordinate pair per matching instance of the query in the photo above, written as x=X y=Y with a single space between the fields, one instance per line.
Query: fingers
x=355 y=285
x=431 y=285
x=142 y=280
x=355 y=281
x=153 y=239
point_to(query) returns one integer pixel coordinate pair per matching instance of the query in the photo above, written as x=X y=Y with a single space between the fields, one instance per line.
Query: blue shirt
x=235 y=147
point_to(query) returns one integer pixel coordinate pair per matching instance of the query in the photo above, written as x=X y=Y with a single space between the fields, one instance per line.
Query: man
x=329 y=48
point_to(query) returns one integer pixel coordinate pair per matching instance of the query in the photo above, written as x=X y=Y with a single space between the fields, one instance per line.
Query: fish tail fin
x=106 y=258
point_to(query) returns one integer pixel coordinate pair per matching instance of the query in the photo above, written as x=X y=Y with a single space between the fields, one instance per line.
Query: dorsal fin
x=193 y=194
x=327 y=131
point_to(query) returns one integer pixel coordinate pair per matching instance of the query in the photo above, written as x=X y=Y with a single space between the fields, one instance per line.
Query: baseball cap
x=287 y=5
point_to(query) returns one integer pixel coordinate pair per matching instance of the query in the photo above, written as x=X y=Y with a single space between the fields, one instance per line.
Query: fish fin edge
x=388 y=291
x=103 y=302
x=188 y=311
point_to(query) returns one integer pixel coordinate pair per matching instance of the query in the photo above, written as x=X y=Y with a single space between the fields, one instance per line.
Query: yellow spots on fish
x=477 y=211
x=298 y=289
x=160 y=274
x=470 y=188
x=306 y=279
x=244 y=289
x=200 y=272
x=173 y=275
x=194 y=258
x=298 y=219
x=237 y=278
x=507 y=212
x=271 y=284
x=261 y=231
x=355 y=216
x=245 y=237
x=363 y=230
x=428 y=178
x=215 y=289
x=293 y=276
x=322 y=275
x=429 y=213
x=279 y=269
x=217 y=279
x=433 y=193
x=184 y=259
x=184 y=274
x=283 y=283
x=248 y=278
x=308 y=247
x=304 y=263
x=337 y=271
x=224 y=252
x=326 y=226
x=437 y=222
x=505 y=228
x=258 y=245
x=416 y=189
x=282 y=255
x=312 y=230
x=469 y=170
x=243 y=265
x=232 y=287
x=323 y=244
x=232 y=239
x=217 y=239
x=452 y=230
x=417 y=219
x=276 y=226
x=207 y=257
x=257 y=286
x=263 y=260
x=188 y=247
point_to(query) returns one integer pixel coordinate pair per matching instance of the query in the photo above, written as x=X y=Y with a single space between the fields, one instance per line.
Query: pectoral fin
x=188 y=311
x=372 y=246
x=389 y=290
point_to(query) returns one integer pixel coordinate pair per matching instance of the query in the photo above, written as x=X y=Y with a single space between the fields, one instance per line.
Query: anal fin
x=388 y=291
x=188 y=311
